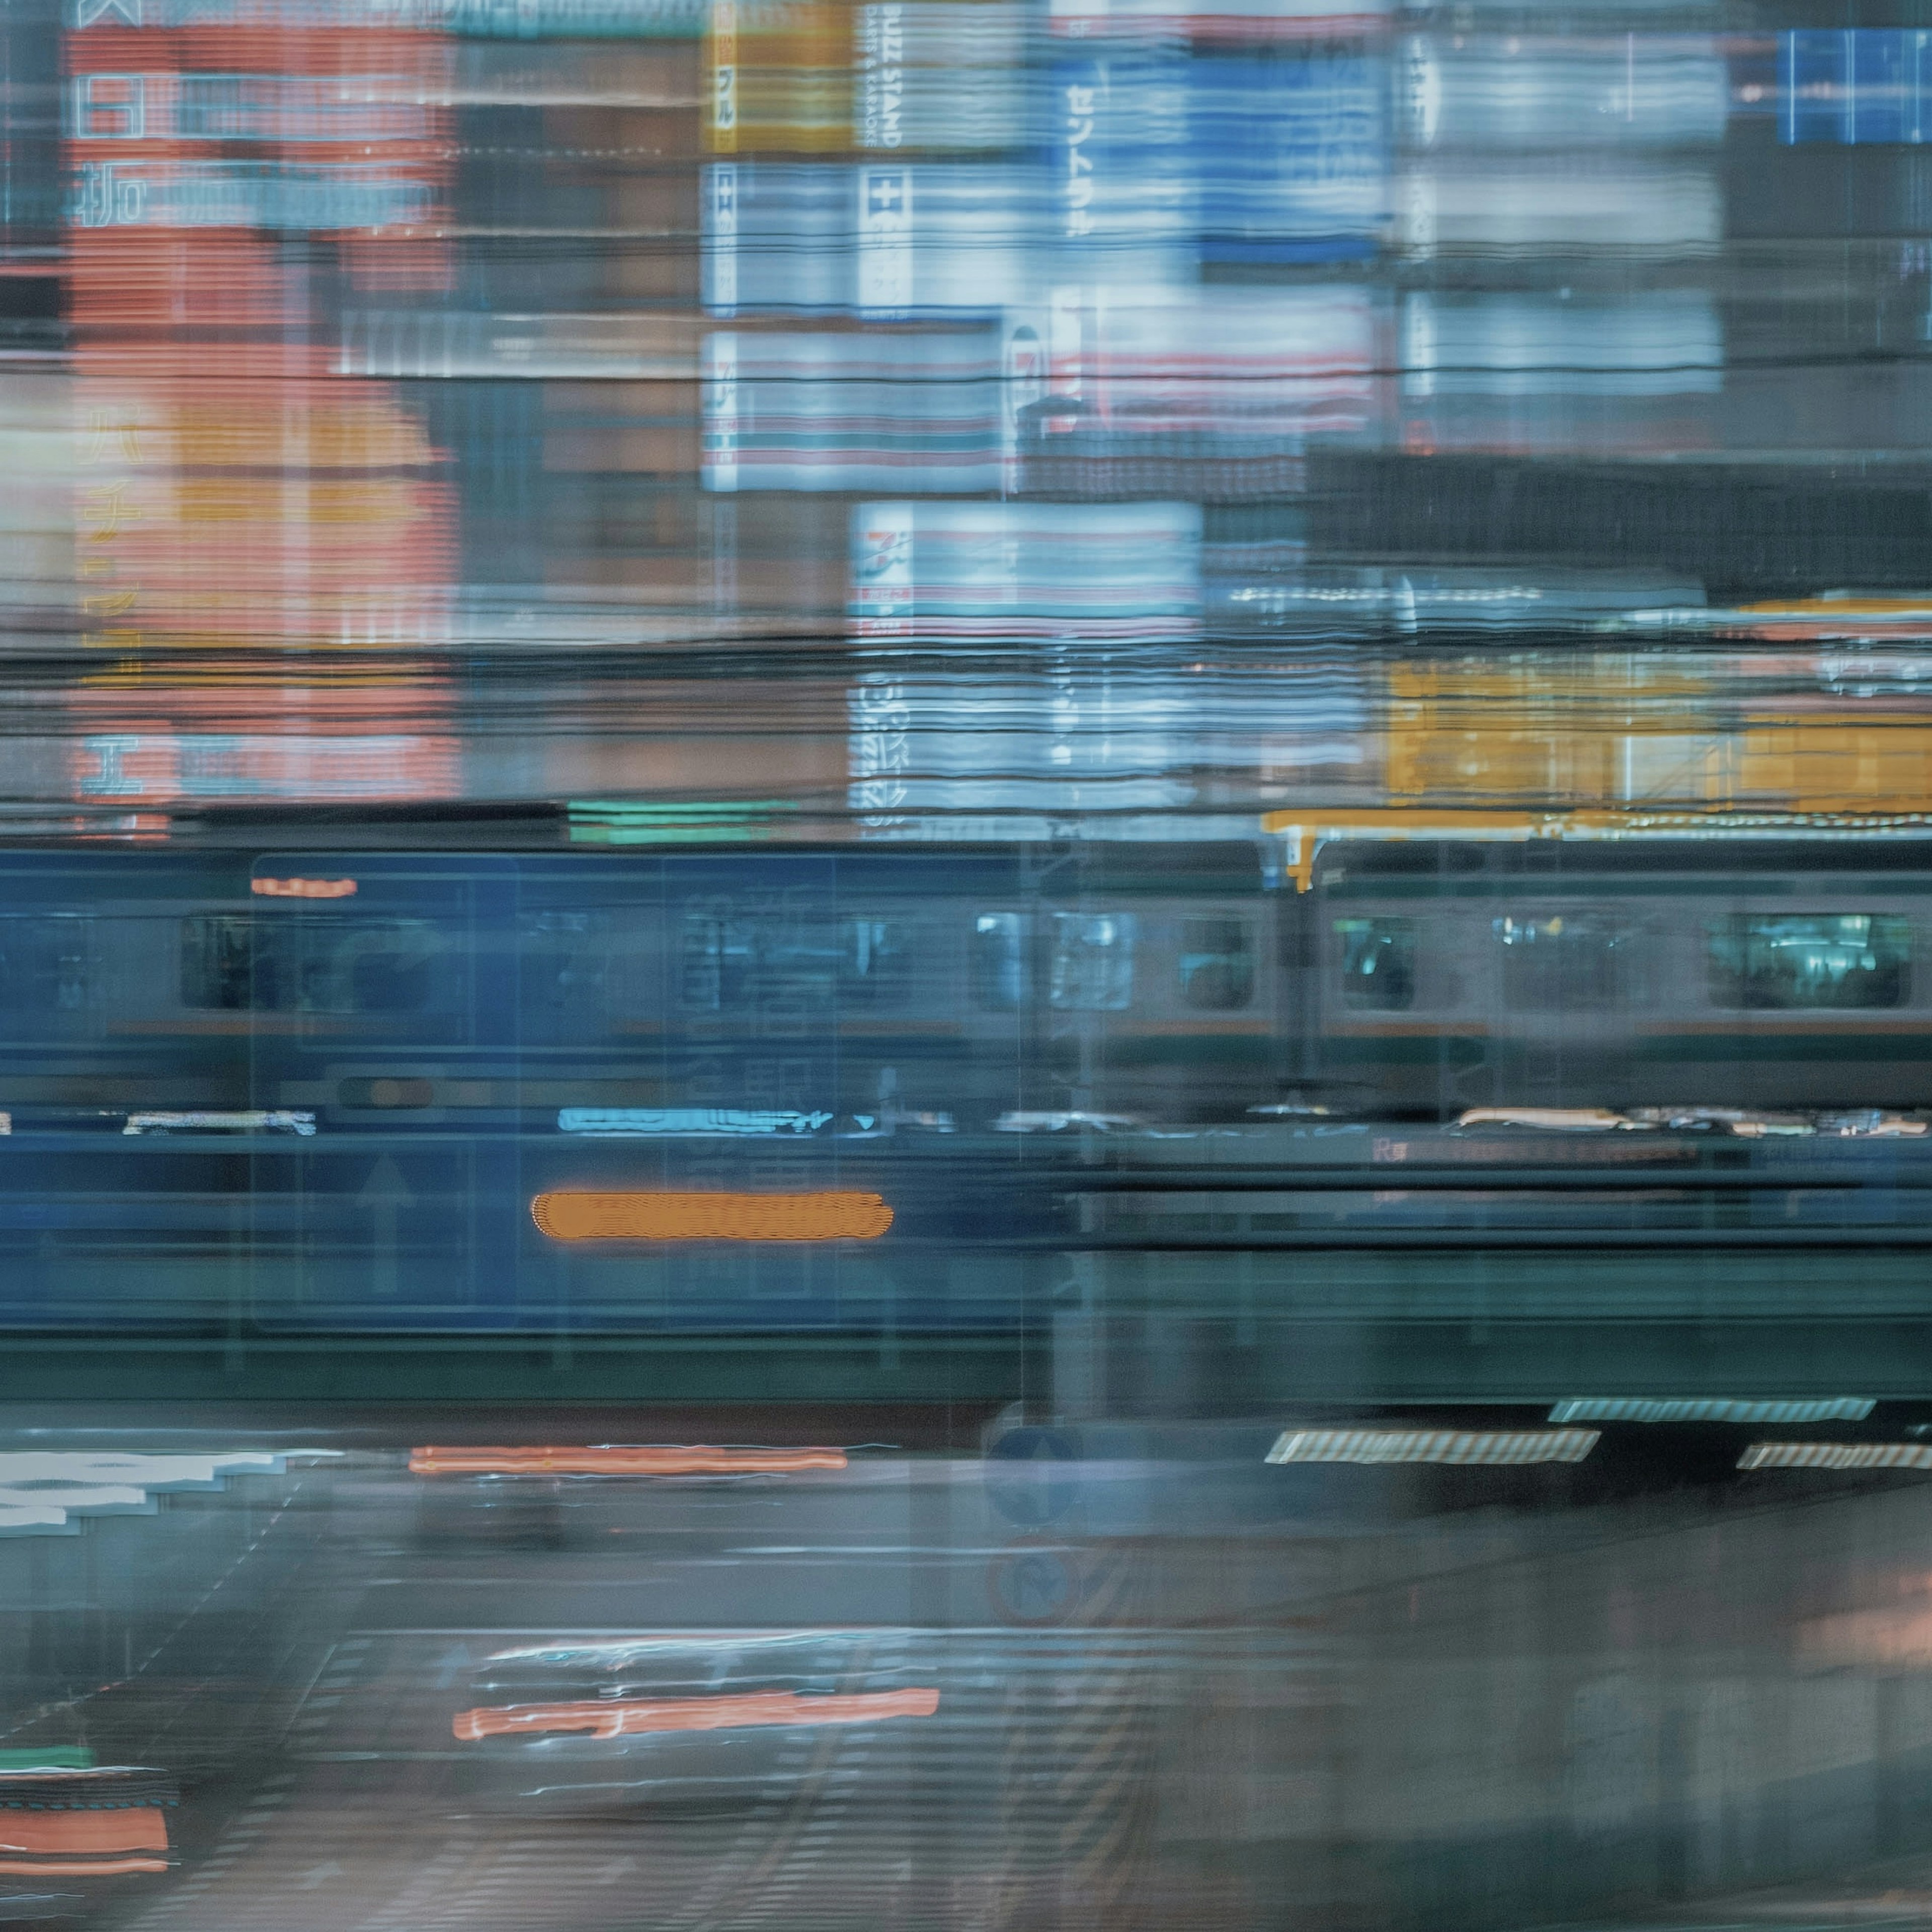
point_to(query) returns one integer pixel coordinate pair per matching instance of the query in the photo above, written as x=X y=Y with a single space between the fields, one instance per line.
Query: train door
x=382 y=998
x=721 y=1013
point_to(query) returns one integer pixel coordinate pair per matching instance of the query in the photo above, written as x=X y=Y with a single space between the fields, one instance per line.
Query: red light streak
x=80 y=1867
x=698 y=1460
x=611 y=1717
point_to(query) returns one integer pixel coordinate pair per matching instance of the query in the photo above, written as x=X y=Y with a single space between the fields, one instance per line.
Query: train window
x=382 y=966
x=1775 y=960
x=1092 y=969
x=1567 y=962
x=998 y=961
x=874 y=966
x=233 y=962
x=217 y=961
x=562 y=962
x=782 y=957
x=1217 y=964
x=716 y=962
x=44 y=963
x=1377 y=964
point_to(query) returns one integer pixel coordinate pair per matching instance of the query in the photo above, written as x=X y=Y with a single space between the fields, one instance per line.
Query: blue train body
x=251 y=1096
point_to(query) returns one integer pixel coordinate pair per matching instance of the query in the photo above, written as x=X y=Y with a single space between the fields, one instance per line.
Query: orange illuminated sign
x=618 y=1717
x=699 y=1460
x=577 y=1214
x=302 y=889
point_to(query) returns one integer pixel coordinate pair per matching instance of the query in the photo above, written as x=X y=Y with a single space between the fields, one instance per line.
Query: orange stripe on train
x=581 y=1214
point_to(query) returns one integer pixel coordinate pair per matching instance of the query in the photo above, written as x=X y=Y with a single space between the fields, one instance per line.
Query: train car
x=549 y=1092
x=1690 y=973
x=328 y=1090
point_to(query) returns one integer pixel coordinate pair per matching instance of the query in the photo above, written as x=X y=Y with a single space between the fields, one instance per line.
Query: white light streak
x=1836 y=1455
x=621 y=1122
x=1498 y=1447
x=1709 y=1408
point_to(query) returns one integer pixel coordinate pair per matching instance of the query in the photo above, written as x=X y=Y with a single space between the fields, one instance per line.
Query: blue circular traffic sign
x=1032 y=1475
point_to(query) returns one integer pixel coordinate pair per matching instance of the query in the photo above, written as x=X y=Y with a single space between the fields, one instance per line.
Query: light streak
x=617 y=1122
x=302 y=889
x=80 y=1867
x=619 y=1460
x=615 y=1718
x=1836 y=1455
x=1558 y=1120
x=1709 y=1408
x=1501 y=1448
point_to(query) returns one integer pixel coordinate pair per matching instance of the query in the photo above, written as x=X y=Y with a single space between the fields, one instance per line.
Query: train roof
x=1847 y=862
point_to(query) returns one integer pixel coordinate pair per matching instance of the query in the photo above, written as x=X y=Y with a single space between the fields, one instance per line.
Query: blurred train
x=1749 y=974
x=492 y=992
x=325 y=1089
x=869 y=993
